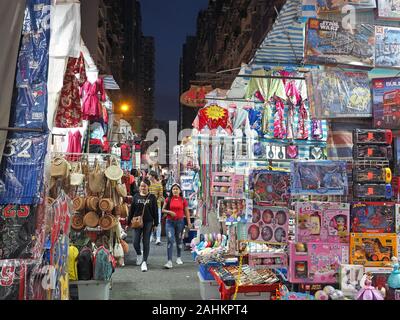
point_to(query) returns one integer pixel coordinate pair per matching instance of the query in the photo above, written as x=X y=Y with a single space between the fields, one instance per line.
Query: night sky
x=169 y=22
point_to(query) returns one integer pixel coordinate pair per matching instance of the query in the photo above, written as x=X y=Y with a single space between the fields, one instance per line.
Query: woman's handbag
x=59 y=168
x=79 y=203
x=106 y=205
x=77 y=176
x=125 y=246
x=118 y=251
x=137 y=222
x=96 y=179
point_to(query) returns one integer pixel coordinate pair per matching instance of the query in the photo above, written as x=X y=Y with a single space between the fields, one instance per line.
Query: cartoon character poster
x=323 y=222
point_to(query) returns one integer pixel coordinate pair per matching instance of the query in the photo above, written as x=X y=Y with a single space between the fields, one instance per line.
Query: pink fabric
x=302 y=132
x=290 y=87
x=91 y=94
x=105 y=115
x=74 y=145
x=279 y=119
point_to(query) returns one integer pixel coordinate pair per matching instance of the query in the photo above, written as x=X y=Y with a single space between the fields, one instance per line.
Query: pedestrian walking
x=176 y=208
x=156 y=188
x=144 y=203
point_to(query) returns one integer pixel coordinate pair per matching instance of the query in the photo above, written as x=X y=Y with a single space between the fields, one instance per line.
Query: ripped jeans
x=174 y=230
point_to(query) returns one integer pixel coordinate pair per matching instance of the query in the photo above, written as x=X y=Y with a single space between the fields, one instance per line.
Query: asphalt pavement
x=179 y=283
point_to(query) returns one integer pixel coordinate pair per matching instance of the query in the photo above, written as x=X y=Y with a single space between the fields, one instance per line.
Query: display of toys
x=316 y=262
x=372 y=152
x=380 y=276
x=386 y=37
x=328 y=42
x=372 y=175
x=249 y=247
x=227 y=185
x=373 y=217
x=322 y=222
x=372 y=136
x=269 y=224
x=270 y=186
x=350 y=279
x=329 y=292
x=368 y=292
x=319 y=178
x=285 y=294
x=269 y=260
x=373 y=191
x=385 y=98
x=372 y=249
x=232 y=210
x=388 y=10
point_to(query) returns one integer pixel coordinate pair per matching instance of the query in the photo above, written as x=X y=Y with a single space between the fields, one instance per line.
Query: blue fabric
x=174 y=230
x=255 y=119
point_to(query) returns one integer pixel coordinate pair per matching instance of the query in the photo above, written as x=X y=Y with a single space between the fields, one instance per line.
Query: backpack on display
x=85 y=264
x=104 y=264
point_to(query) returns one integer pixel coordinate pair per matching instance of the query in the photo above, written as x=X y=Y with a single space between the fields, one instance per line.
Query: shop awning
x=284 y=44
x=110 y=83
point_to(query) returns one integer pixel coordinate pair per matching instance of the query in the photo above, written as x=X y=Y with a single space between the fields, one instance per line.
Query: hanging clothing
x=290 y=121
x=69 y=111
x=302 y=128
x=266 y=86
x=96 y=131
x=267 y=115
x=92 y=94
x=241 y=123
x=255 y=119
x=74 y=145
x=105 y=115
x=213 y=117
x=126 y=152
x=279 y=119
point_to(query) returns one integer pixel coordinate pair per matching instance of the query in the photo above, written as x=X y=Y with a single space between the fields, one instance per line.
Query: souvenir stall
x=298 y=165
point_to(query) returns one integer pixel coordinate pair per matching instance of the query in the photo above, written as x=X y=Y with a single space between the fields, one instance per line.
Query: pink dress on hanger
x=92 y=94
x=74 y=145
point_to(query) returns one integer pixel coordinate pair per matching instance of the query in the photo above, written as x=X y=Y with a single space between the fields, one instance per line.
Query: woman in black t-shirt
x=150 y=221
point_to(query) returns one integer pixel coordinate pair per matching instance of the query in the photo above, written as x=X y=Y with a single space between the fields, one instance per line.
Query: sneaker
x=168 y=265
x=139 y=260
x=179 y=261
x=158 y=242
x=144 y=266
x=152 y=239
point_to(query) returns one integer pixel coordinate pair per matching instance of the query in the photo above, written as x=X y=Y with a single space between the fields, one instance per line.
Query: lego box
x=372 y=249
x=386 y=102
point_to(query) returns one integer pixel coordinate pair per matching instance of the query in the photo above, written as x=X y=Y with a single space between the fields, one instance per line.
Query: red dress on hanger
x=69 y=111
x=74 y=145
x=92 y=94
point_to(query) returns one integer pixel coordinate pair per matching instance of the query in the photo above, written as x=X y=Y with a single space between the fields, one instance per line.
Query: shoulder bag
x=137 y=222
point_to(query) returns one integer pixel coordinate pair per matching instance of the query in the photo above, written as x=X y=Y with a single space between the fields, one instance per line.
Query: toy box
x=373 y=217
x=227 y=184
x=387 y=54
x=316 y=262
x=350 y=279
x=232 y=210
x=268 y=260
x=388 y=9
x=328 y=42
x=326 y=222
x=372 y=152
x=319 y=178
x=270 y=186
x=327 y=6
x=269 y=224
x=386 y=102
x=373 y=191
x=372 y=136
x=372 y=175
x=380 y=276
x=372 y=249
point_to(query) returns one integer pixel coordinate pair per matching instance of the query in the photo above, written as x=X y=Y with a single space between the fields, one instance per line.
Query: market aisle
x=179 y=283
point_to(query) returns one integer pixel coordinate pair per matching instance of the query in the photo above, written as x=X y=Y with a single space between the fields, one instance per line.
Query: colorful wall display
x=328 y=43
x=387 y=47
x=386 y=102
x=323 y=222
x=339 y=94
x=319 y=178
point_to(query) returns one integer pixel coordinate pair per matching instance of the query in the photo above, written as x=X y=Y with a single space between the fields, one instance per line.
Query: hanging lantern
x=195 y=97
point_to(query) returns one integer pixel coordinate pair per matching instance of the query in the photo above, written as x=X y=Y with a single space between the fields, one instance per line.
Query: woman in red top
x=176 y=208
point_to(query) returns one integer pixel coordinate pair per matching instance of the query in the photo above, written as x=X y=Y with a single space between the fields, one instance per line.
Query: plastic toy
x=368 y=292
x=394 y=278
x=372 y=152
x=227 y=184
x=319 y=178
x=373 y=217
x=322 y=222
x=372 y=250
x=321 y=295
x=269 y=224
x=372 y=175
x=373 y=191
x=269 y=260
x=372 y=136
x=350 y=279
x=319 y=263
x=232 y=210
x=270 y=186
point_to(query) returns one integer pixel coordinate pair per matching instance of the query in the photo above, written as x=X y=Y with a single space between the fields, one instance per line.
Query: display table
x=227 y=292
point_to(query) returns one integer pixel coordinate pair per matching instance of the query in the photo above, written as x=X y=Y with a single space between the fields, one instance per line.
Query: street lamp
x=124 y=107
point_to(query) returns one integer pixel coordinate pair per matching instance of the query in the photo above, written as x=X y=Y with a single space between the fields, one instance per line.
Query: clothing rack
x=21 y=129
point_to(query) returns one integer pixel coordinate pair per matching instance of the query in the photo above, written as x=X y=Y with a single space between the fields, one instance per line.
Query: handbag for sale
x=125 y=246
x=106 y=205
x=96 y=179
x=59 y=168
x=121 y=190
x=77 y=176
x=114 y=171
x=122 y=210
x=78 y=203
x=137 y=222
x=118 y=251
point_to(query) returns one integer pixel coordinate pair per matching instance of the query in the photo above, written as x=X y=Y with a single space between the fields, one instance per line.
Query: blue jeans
x=174 y=230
